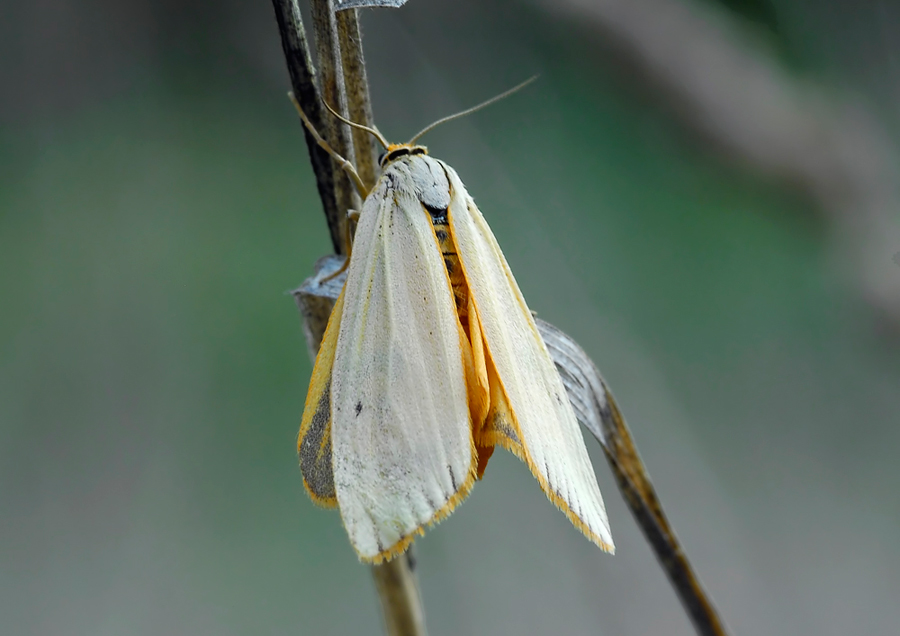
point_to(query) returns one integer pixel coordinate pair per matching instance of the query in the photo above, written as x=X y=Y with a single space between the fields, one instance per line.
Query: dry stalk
x=343 y=85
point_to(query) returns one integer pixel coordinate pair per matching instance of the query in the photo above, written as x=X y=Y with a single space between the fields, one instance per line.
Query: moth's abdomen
x=451 y=262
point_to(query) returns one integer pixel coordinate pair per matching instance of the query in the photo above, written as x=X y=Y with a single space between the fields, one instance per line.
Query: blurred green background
x=156 y=204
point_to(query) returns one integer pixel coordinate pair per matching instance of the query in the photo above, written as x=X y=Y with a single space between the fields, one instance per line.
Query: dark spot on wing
x=503 y=427
x=358 y=408
x=452 y=478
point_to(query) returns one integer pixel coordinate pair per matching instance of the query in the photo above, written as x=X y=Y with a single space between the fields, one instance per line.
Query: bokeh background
x=156 y=204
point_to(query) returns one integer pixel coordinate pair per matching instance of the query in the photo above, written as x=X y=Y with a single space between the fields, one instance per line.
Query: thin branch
x=339 y=50
x=598 y=412
x=336 y=133
x=401 y=602
x=345 y=84
x=303 y=82
x=356 y=84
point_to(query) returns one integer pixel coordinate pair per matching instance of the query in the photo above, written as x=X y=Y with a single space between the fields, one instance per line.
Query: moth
x=431 y=358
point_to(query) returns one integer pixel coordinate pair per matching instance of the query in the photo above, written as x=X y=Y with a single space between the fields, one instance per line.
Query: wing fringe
x=457 y=498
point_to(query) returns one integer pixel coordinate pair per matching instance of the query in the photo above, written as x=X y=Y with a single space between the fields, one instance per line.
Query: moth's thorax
x=427 y=179
x=395 y=151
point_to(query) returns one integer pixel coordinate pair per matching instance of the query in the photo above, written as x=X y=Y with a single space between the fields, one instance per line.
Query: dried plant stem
x=359 y=107
x=335 y=133
x=303 y=83
x=344 y=86
x=398 y=590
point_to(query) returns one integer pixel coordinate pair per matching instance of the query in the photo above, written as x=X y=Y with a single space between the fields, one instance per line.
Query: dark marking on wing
x=315 y=450
x=358 y=408
x=441 y=235
x=452 y=478
x=503 y=427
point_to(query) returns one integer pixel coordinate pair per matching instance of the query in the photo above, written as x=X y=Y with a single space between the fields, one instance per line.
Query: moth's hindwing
x=404 y=453
x=530 y=412
x=314 y=444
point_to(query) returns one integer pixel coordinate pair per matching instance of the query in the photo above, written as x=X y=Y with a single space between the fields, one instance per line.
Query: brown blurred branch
x=732 y=92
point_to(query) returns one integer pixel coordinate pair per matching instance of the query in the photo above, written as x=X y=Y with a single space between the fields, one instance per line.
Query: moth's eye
x=382 y=156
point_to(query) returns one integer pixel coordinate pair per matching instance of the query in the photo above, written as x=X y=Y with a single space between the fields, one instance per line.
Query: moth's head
x=395 y=151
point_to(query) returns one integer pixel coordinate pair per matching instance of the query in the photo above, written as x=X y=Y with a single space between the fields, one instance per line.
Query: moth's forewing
x=404 y=454
x=530 y=412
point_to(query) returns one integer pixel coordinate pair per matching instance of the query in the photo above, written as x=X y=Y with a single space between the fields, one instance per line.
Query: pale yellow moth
x=430 y=359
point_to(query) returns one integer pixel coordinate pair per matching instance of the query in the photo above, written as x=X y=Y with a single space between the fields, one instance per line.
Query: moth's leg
x=345 y=165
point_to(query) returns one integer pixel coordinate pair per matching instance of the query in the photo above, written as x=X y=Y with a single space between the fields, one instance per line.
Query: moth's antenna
x=469 y=111
x=345 y=165
x=372 y=131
